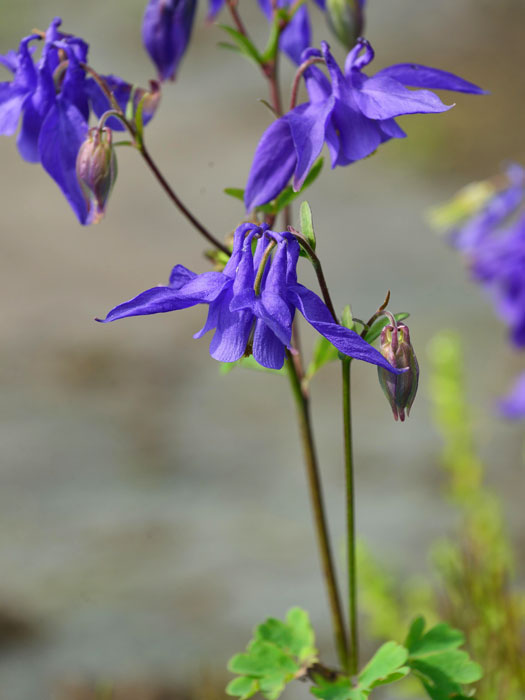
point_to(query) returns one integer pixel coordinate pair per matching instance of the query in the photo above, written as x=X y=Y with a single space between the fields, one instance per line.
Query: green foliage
x=248 y=363
x=435 y=658
x=465 y=203
x=241 y=44
x=386 y=666
x=307 y=226
x=475 y=591
x=277 y=654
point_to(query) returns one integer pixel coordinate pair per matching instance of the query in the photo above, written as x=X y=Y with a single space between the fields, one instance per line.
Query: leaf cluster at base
x=283 y=651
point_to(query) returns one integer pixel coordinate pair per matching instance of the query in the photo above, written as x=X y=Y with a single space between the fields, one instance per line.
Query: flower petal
x=180 y=275
x=415 y=75
x=273 y=164
x=297 y=35
x=358 y=135
x=345 y=340
x=307 y=126
x=153 y=301
x=63 y=132
x=36 y=109
x=382 y=97
x=268 y=350
x=233 y=331
x=204 y=288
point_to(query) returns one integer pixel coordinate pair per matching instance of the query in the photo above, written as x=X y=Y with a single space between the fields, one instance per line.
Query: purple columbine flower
x=513 y=405
x=493 y=242
x=500 y=207
x=352 y=113
x=53 y=99
x=252 y=303
x=166 y=31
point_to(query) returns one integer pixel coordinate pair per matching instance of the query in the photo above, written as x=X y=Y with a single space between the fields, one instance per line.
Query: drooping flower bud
x=97 y=171
x=346 y=19
x=166 y=31
x=400 y=389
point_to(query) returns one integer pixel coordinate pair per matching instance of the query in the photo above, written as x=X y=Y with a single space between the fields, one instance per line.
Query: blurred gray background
x=151 y=510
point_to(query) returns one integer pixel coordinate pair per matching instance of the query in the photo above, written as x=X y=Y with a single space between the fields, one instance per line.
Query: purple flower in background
x=352 y=113
x=251 y=317
x=513 y=405
x=166 y=31
x=498 y=264
x=493 y=241
x=502 y=205
x=53 y=98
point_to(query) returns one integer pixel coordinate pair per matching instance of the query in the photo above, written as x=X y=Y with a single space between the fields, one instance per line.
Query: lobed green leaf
x=274 y=657
x=387 y=661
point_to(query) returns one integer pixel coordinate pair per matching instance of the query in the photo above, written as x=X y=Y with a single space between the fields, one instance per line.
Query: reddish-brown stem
x=232 y=6
x=297 y=78
x=178 y=203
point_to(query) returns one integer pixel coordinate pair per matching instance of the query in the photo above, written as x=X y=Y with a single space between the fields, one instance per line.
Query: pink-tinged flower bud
x=399 y=389
x=97 y=171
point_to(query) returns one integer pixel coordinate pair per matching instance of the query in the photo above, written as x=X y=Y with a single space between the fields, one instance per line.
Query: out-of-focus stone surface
x=151 y=510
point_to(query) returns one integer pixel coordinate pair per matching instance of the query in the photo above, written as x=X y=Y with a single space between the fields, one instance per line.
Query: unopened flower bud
x=97 y=171
x=400 y=389
x=346 y=20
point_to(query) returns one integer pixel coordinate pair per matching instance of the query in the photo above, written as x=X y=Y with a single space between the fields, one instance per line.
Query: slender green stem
x=321 y=527
x=353 y=658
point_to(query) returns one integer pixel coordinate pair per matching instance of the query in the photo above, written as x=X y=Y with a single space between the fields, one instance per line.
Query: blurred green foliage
x=474 y=568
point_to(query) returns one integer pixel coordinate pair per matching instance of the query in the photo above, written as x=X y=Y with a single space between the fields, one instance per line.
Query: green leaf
x=274 y=657
x=307 y=226
x=340 y=689
x=324 y=352
x=375 y=329
x=415 y=633
x=243 y=686
x=346 y=317
x=139 y=120
x=272 y=47
x=247 y=363
x=303 y=643
x=236 y=192
x=243 y=44
x=436 y=659
x=387 y=661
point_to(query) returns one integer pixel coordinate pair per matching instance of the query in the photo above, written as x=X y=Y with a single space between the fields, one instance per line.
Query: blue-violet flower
x=166 y=31
x=352 y=113
x=493 y=241
x=252 y=302
x=53 y=98
x=513 y=405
